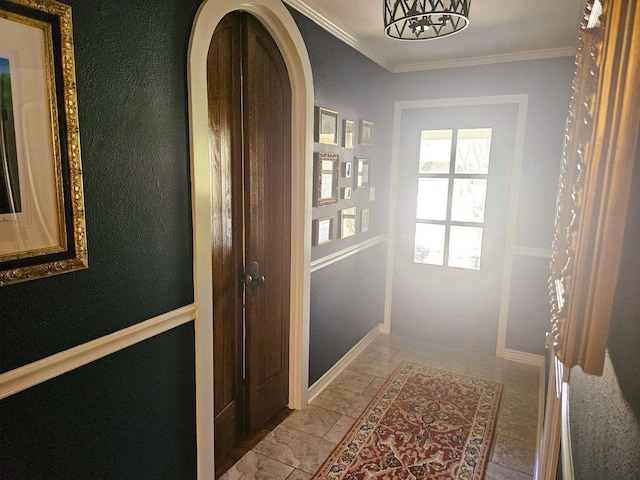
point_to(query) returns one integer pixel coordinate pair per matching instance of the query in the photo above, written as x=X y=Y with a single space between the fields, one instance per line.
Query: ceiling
x=498 y=31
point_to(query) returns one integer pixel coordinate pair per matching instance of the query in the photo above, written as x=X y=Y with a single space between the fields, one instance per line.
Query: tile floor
x=299 y=445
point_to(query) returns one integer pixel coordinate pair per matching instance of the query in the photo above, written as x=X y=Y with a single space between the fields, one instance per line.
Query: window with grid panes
x=453 y=175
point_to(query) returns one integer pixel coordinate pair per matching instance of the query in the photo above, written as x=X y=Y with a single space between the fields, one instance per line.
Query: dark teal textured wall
x=132 y=414
x=132 y=97
x=129 y=415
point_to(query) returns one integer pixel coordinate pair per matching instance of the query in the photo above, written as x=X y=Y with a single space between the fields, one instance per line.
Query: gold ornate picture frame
x=42 y=223
x=600 y=149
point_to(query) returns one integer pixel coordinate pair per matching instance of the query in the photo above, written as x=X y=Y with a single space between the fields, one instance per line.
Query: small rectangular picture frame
x=346 y=193
x=366 y=132
x=346 y=170
x=348 y=222
x=325 y=188
x=348 y=133
x=363 y=172
x=322 y=230
x=364 y=220
x=327 y=126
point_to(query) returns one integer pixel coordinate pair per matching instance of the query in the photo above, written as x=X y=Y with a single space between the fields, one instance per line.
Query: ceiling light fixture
x=425 y=19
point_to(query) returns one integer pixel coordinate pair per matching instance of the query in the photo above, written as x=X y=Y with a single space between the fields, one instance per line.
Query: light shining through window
x=451 y=200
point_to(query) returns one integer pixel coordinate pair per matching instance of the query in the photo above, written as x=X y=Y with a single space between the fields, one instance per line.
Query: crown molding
x=322 y=19
x=487 y=60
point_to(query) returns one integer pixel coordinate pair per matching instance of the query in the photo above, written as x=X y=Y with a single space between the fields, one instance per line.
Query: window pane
x=465 y=247
x=469 y=197
x=435 y=151
x=429 y=248
x=472 y=150
x=432 y=198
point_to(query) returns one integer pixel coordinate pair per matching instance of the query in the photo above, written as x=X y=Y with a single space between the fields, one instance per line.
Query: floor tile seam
x=531 y=444
x=311 y=434
x=506 y=387
x=519 y=414
x=294 y=471
x=273 y=459
x=531 y=421
x=315 y=436
x=512 y=468
x=286 y=464
x=325 y=433
x=373 y=377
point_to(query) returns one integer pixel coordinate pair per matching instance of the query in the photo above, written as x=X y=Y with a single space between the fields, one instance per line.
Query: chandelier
x=424 y=19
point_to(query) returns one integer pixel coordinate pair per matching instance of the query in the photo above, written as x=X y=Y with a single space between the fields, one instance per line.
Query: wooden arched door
x=250 y=148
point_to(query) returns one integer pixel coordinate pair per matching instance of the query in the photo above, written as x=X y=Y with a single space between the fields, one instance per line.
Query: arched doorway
x=278 y=21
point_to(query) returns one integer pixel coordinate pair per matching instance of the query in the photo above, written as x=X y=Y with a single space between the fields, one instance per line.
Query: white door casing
x=280 y=24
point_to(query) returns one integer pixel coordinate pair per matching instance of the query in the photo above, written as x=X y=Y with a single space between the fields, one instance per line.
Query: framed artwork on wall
x=364 y=220
x=347 y=222
x=326 y=179
x=348 y=134
x=346 y=193
x=366 y=132
x=322 y=230
x=327 y=126
x=42 y=224
x=346 y=169
x=363 y=174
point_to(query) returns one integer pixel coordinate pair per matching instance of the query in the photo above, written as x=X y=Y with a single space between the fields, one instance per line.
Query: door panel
x=250 y=138
x=268 y=220
x=442 y=303
x=225 y=146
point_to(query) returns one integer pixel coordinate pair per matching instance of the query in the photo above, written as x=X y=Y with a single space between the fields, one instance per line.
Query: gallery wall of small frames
x=342 y=188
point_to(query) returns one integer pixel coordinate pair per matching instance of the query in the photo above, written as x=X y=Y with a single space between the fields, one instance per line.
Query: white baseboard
x=338 y=368
x=541 y=415
x=523 y=357
x=567 y=456
x=21 y=378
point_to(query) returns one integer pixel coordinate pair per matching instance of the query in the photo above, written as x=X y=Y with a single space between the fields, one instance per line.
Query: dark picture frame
x=42 y=223
x=346 y=169
x=327 y=126
x=323 y=229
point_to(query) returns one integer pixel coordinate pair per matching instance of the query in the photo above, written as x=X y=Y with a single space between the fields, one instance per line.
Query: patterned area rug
x=424 y=423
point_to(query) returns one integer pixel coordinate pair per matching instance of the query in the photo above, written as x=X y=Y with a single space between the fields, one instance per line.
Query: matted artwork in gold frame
x=348 y=222
x=42 y=224
x=348 y=134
